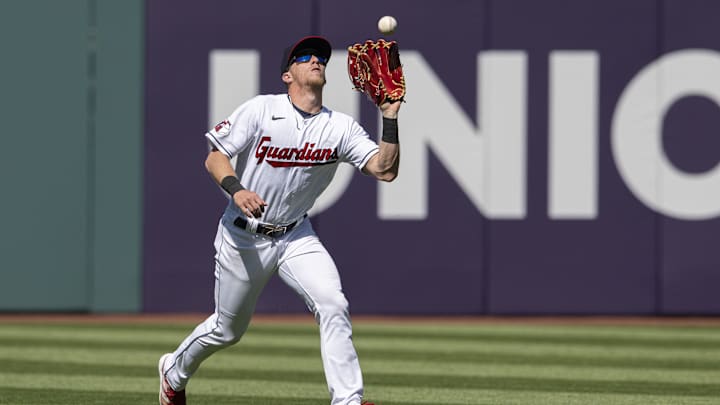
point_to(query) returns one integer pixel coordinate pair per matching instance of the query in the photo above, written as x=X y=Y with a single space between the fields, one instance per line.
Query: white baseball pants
x=244 y=263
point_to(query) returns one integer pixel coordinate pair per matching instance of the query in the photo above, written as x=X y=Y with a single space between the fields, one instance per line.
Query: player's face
x=309 y=70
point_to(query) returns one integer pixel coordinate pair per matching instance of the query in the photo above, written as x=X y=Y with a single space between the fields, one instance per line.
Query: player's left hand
x=374 y=68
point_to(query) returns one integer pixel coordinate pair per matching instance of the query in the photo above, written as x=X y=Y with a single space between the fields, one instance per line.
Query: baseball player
x=288 y=147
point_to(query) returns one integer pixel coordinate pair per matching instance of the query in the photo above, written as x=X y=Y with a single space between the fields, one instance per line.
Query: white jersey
x=287 y=159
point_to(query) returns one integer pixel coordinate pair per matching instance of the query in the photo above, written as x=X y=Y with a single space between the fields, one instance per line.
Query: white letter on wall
x=637 y=135
x=487 y=161
x=573 y=135
x=228 y=83
x=234 y=78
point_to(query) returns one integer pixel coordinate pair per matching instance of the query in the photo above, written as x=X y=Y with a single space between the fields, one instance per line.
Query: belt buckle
x=272 y=230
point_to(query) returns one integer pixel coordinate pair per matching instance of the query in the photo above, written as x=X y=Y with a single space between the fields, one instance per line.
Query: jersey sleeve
x=235 y=133
x=358 y=148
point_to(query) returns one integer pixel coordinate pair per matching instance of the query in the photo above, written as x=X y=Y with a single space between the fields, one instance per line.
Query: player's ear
x=287 y=77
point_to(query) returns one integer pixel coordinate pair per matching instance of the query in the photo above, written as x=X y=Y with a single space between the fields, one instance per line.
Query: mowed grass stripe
x=541 y=384
x=420 y=329
x=19 y=396
x=542 y=330
x=201 y=387
x=230 y=359
x=551 y=356
x=149 y=340
x=649 y=337
x=105 y=390
x=149 y=370
x=308 y=389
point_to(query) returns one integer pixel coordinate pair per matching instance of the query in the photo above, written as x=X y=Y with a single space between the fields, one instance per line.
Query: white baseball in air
x=387 y=24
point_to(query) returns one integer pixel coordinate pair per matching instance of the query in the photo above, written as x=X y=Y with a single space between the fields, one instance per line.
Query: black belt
x=273 y=231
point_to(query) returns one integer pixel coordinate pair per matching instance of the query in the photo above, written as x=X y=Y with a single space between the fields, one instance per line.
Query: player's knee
x=335 y=305
x=227 y=336
x=227 y=339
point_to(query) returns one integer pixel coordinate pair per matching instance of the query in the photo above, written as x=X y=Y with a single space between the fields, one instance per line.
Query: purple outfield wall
x=559 y=156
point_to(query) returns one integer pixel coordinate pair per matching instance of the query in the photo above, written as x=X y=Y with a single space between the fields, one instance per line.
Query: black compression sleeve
x=390 y=130
x=231 y=184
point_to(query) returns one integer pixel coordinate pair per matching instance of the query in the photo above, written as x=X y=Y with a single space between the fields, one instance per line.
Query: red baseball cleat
x=168 y=396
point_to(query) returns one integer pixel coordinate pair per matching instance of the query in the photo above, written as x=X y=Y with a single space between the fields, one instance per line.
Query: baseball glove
x=375 y=69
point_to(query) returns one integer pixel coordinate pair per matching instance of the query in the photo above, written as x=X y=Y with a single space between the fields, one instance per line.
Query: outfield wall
x=559 y=157
x=71 y=160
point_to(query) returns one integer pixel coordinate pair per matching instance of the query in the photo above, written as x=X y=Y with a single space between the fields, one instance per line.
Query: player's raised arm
x=375 y=69
x=385 y=164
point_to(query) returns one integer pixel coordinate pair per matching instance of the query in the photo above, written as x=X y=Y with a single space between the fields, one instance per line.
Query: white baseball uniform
x=288 y=158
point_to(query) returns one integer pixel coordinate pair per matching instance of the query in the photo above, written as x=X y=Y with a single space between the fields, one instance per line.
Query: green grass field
x=405 y=363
